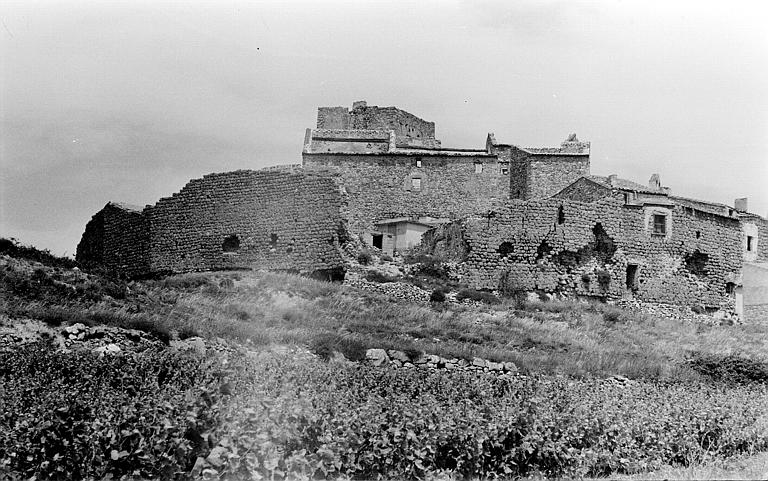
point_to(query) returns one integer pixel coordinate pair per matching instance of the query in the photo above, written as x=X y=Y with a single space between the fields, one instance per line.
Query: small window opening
x=750 y=243
x=416 y=184
x=698 y=234
x=231 y=244
x=626 y=197
x=273 y=240
x=378 y=240
x=560 y=215
x=730 y=288
x=505 y=249
x=632 y=276
x=504 y=171
x=478 y=168
x=418 y=162
x=659 y=224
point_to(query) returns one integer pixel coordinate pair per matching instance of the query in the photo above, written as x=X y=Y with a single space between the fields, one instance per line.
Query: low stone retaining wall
x=381 y=357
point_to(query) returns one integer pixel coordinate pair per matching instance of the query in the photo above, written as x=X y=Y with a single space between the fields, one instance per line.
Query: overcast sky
x=127 y=101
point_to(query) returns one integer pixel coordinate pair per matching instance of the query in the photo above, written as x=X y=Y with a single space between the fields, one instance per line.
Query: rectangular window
x=659 y=224
x=478 y=168
x=418 y=163
x=750 y=243
x=416 y=184
x=505 y=171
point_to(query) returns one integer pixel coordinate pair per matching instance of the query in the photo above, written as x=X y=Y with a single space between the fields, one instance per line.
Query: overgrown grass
x=559 y=337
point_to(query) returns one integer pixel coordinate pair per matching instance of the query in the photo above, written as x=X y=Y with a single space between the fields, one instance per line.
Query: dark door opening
x=632 y=277
x=377 y=240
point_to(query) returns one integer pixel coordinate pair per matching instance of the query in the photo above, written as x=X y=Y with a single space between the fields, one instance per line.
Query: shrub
x=730 y=368
x=12 y=248
x=604 y=279
x=380 y=277
x=480 y=296
x=325 y=344
x=438 y=295
x=364 y=257
x=612 y=315
x=387 y=258
x=185 y=332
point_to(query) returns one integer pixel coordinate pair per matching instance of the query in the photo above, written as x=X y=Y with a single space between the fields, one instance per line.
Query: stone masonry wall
x=243 y=219
x=586 y=248
x=548 y=175
x=116 y=238
x=410 y=130
x=381 y=187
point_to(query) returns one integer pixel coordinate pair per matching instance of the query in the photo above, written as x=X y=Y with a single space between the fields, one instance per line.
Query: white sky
x=127 y=101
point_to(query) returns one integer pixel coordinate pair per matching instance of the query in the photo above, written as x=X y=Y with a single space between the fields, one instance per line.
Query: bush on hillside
x=480 y=296
x=364 y=257
x=11 y=247
x=730 y=368
x=438 y=295
x=380 y=277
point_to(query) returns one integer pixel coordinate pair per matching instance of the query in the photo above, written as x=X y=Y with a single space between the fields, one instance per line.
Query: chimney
x=360 y=104
x=612 y=179
x=654 y=182
x=740 y=204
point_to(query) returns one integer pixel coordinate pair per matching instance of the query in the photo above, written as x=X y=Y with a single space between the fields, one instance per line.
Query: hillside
x=242 y=372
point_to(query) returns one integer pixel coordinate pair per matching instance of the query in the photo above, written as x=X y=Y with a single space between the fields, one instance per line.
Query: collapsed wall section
x=283 y=220
x=387 y=186
x=605 y=249
x=116 y=238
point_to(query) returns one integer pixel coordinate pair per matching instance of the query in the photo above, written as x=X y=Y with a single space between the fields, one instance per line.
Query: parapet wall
x=381 y=187
x=270 y=219
x=410 y=130
x=602 y=249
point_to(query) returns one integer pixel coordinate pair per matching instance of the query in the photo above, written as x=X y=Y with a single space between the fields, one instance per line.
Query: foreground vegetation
x=699 y=394
x=275 y=416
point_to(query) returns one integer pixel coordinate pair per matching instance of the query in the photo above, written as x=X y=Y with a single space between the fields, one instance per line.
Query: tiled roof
x=554 y=151
x=623 y=184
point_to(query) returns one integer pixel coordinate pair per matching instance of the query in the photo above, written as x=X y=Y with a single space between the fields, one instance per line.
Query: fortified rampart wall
x=117 y=238
x=270 y=219
x=589 y=249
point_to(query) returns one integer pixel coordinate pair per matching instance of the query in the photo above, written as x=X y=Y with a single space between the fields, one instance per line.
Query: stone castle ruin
x=513 y=218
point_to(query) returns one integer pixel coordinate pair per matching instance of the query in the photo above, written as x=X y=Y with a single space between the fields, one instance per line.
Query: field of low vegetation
x=272 y=401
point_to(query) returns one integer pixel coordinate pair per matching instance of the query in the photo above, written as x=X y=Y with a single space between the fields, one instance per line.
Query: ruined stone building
x=514 y=218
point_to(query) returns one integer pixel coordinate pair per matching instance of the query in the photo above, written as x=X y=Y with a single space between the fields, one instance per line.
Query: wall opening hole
x=632 y=270
x=273 y=240
x=696 y=263
x=698 y=234
x=416 y=184
x=378 y=240
x=750 y=243
x=730 y=288
x=560 y=215
x=478 y=168
x=231 y=244
x=505 y=249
